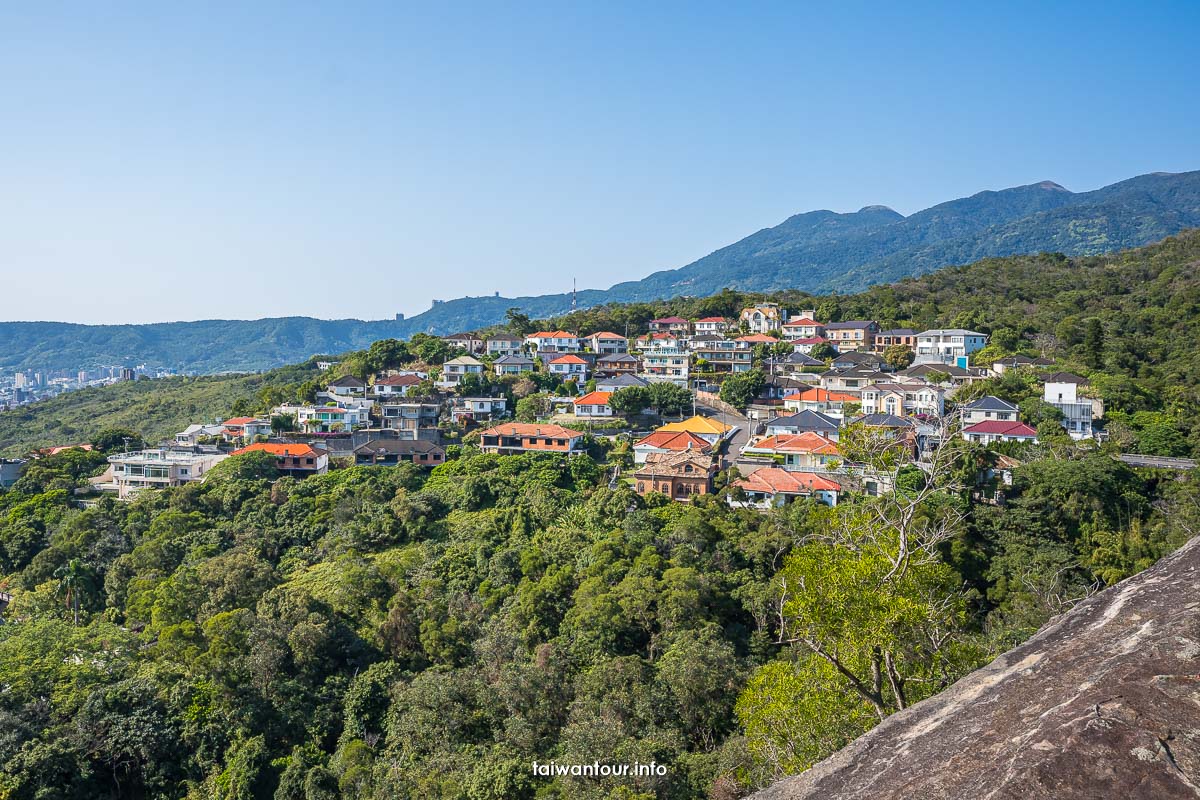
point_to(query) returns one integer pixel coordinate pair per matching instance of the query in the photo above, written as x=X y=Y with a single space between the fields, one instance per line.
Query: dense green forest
x=820 y=251
x=392 y=633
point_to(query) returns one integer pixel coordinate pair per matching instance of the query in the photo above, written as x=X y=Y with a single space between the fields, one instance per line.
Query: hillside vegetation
x=820 y=252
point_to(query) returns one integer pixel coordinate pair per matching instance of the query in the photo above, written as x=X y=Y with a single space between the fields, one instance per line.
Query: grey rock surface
x=1103 y=702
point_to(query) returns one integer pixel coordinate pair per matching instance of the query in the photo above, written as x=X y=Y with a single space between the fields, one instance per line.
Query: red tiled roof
x=773 y=480
x=240 y=420
x=712 y=319
x=594 y=399
x=799 y=322
x=568 y=359
x=278 y=449
x=810 y=340
x=398 y=380
x=807 y=442
x=605 y=335
x=552 y=335
x=1001 y=427
x=756 y=337
x=675 y=440
x=668 y=320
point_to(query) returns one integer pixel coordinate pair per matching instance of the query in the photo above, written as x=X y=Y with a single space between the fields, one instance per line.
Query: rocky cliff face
x=1103 y=702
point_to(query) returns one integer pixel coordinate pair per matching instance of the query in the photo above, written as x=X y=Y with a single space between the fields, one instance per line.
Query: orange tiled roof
x=772 y=480
x=594 y=399
x=676 y=440
x=531 y=429
x=278 y=449
x=822 y=396
x=757 y=337
x=240 y=420
x=568 y=359
x=807 y=442
x=604 y=335
x=552 y=335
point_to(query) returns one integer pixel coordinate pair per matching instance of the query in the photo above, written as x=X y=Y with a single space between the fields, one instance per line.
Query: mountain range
x=819 y=251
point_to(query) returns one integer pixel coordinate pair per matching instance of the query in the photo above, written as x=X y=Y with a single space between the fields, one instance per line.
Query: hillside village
x=757 y=405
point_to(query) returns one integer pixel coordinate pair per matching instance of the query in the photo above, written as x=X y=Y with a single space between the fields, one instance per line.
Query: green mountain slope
x=820 y=251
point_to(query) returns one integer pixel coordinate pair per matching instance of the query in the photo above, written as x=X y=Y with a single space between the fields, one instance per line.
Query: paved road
x=1160 y=462
x=740 y=437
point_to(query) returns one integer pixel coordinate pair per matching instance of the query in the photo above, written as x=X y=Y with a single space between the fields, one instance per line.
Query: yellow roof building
x=701 y=426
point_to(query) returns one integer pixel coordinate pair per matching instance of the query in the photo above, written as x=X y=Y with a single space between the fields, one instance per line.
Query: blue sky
x=190 y=161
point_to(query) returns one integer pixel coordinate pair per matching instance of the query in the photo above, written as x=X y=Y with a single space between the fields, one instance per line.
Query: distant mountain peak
x=1052 y=185
x=878 y=210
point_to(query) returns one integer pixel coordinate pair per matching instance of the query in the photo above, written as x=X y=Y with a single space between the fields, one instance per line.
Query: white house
x=503 y=344
x=553 y=342
x=711 y=325
x=477 y=408
x=948 y=345
x=455 y=369
x=512 y=365
x=986 y=408
x=994 y=430
x=763 y=318
x=394 y=385
x=666 y=364
x=593 y=404
x=606 y=343
x=154 y=469
x=1061 y=390
x=903 y=399
x=347 y=386
x=569 y=366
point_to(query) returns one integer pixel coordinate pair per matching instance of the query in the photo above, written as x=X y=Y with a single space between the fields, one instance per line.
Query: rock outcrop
x=1104 y=702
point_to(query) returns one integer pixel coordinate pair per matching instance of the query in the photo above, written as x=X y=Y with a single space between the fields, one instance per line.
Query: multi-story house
x=995 y=430
x=666 y=364
x=711 y=325
x=478 y=408
x=455 y=369
x=807 y=344
x=553 y=342
x=802 y=327
x=655 y=339
x=326 y=418
x=512 y=365
x=244 y=428
x=156 y=468
x=411 y=419
x=903 y=400
x=763 y=318
x=948 y=345
x=988 y=408
x=521 y=437
x=822 y=400
x=503 y=344
x=1061 y=390
x=904 y=337
x=670 y=442
x=10 y=471
x=569 y=366
x=726 y=355
x=808 y=450
x=855 y=334
x=617 y=364
x=802 y=421
x=606 y=343
x=772 y=487
x=852 y=378
x=680 y=475
x=296 y=460
x=677 y=325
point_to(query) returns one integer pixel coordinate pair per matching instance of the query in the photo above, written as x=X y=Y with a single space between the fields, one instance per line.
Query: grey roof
x=803 y=359
x=898 y=332
x=514 y=360
x=951 y=332
x=349 y=380
x=1062 y=377
x=990 y=403
x=622 y=381
x=805 y=420
x=617 y=357
x=849 y=324
x=504 y=337
x=921 y=370
x=885 y=421
x=398 y=446
x=859 y=357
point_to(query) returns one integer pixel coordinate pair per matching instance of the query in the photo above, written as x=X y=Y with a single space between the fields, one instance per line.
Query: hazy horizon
x=175 y=164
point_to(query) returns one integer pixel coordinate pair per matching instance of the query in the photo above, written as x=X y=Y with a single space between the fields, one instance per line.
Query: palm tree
x=74 y=578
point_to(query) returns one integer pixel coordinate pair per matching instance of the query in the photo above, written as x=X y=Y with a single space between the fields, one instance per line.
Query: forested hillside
x=388 y=632
x=820 y=252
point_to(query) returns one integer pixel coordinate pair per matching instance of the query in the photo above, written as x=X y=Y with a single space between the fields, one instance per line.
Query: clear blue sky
x=187 y=161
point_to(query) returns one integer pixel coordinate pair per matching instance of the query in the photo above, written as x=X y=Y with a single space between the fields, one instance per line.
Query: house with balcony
x=854 y=334
x=679 y=475
x=903 y=399
x=808 y=450
x=10 y=471
x=1020 y=362
x=772 y=487
x=825 y=401
x=762 y=318
x=471 y=342
x=948 y=346
x=666 y=364
x=503 y=344
x=512 y=365
x=606 y=343
x=414 y=420
x=522 y=437
x=552 y=342
x=802 y=327
x=1063 y=390
x=295 y=460
x=716 y=325
x=326 y=418
x=804 y=421
x=454 y=370
x=193 y=434
x=244 y=428
x=658 y=339
x=807 y=344
x=569 y=366
x=676 y=325
x=851 y=378
x=474 y=409
x=726 y=355
x=158 y=468
x=617 y=364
